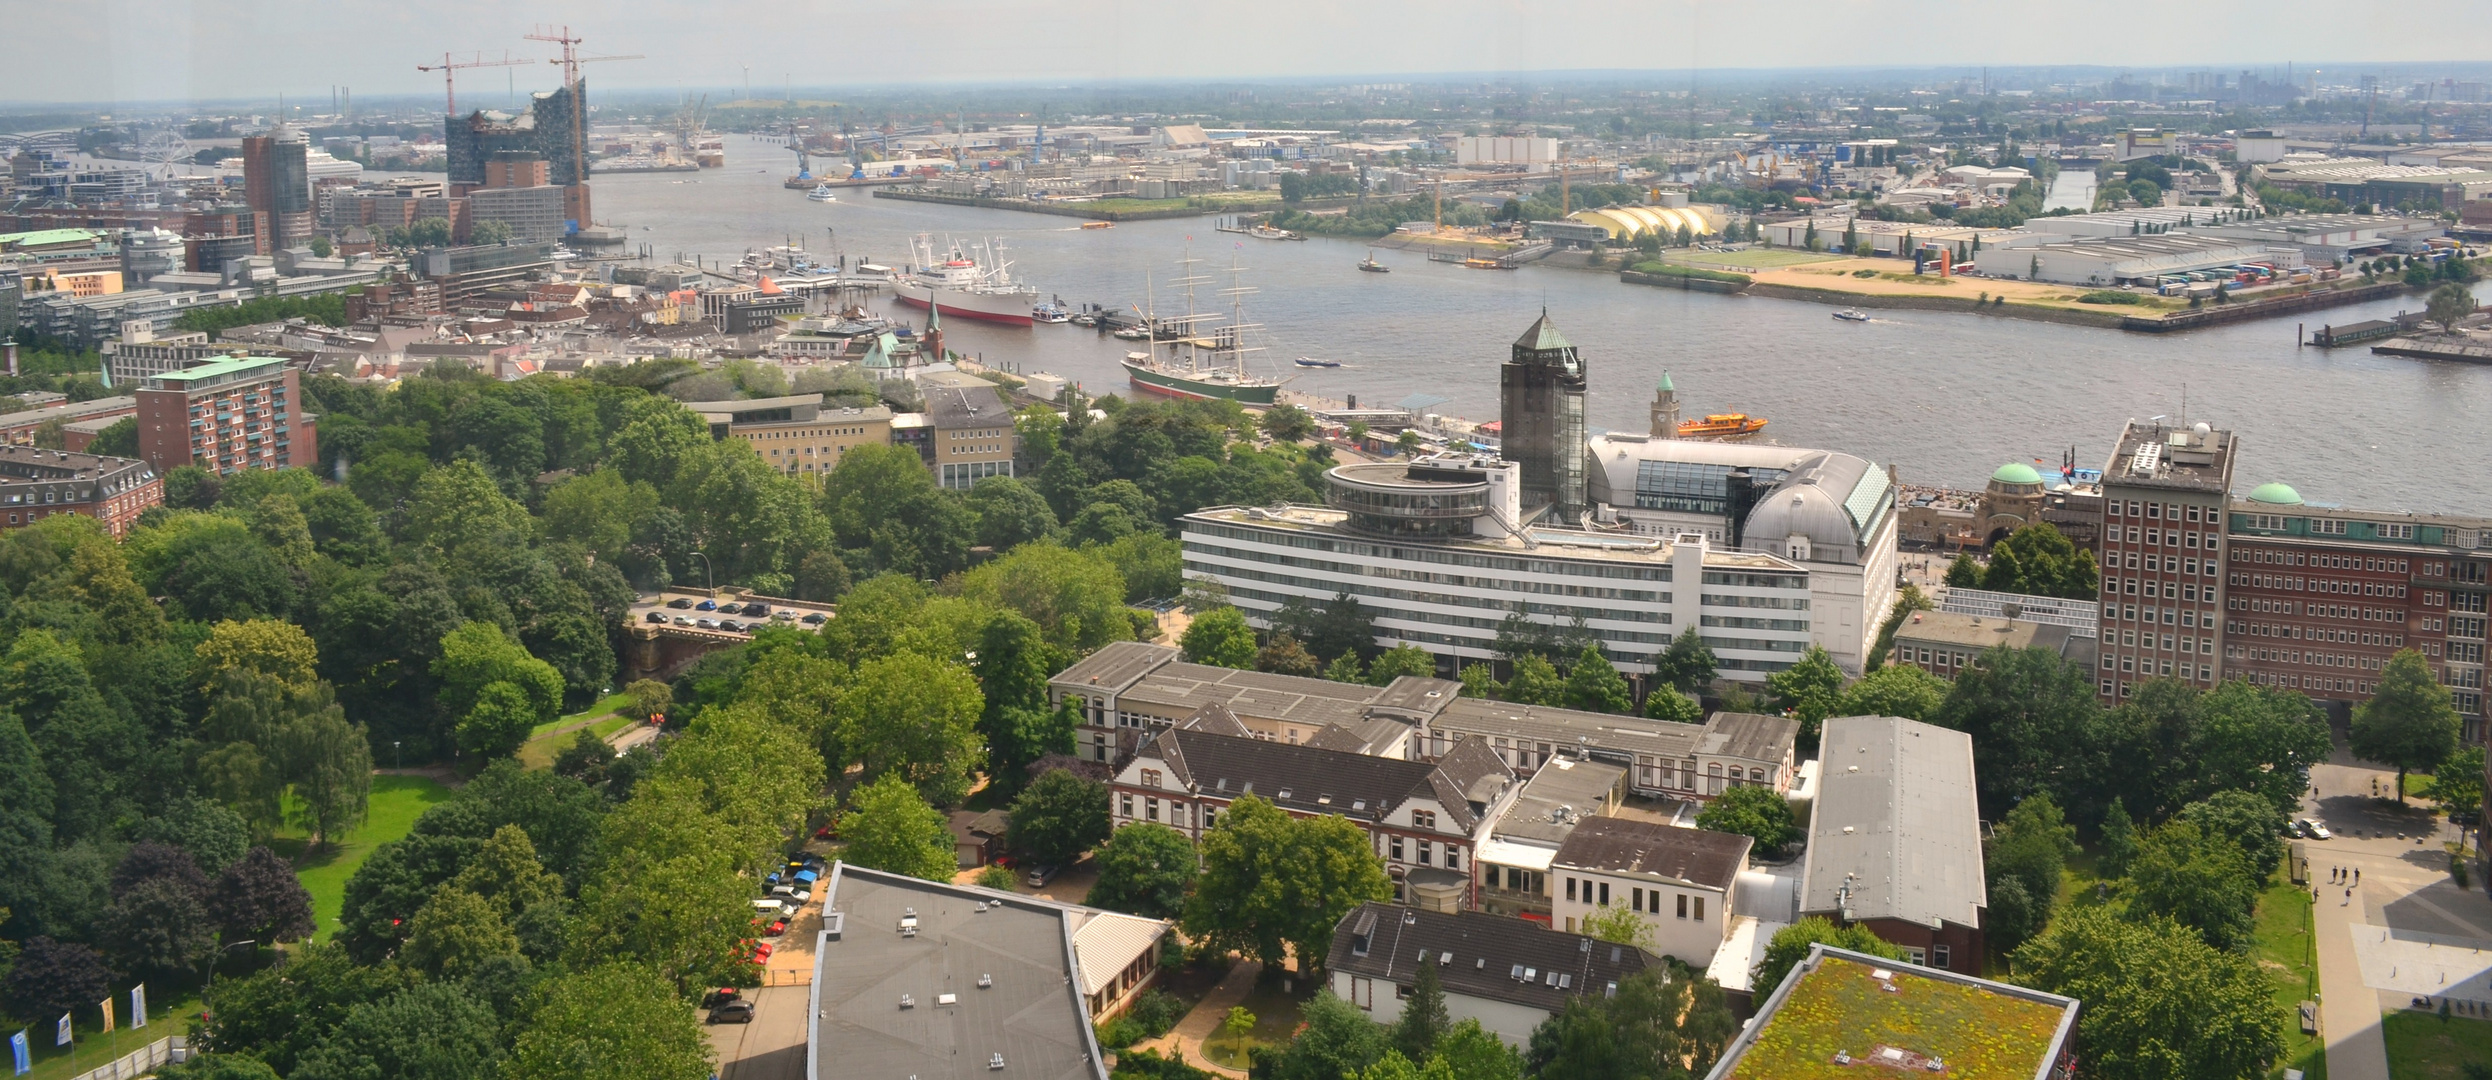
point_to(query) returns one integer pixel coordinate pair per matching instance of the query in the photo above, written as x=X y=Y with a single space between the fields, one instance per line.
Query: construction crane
x=449 y=73
x=570 y=62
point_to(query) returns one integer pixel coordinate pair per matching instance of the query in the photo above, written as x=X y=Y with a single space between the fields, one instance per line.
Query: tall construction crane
x=449 y=72
x=571 y=61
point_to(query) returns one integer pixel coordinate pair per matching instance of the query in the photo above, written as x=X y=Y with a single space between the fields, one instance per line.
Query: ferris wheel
x=167 y=151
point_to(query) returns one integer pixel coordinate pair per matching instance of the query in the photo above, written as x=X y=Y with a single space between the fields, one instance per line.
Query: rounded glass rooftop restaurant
x=1407 y=500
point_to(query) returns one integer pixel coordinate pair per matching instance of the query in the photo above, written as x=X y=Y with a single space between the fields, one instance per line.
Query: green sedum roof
x=2016 y=472
x=2275 y=494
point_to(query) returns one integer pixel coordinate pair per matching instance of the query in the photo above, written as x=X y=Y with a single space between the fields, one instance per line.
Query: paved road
x=2404 y=887
x=772 y=1047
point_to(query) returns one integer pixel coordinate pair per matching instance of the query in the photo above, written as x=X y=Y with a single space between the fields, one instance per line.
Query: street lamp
x=706 y=576
x=219 y=955
x=397 y=755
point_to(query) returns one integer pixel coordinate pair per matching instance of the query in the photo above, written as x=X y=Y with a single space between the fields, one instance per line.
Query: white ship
x=970 y=283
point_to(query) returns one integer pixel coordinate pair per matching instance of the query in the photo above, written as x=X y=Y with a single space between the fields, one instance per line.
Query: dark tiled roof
x=1628 y=846
x=1474 y=770
x=1384 y=942
x=1307 y=779
x=1333 y=737
x=1218 y=720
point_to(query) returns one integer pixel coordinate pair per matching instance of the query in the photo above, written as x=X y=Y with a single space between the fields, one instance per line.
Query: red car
x=761 y=952
x=775 y=929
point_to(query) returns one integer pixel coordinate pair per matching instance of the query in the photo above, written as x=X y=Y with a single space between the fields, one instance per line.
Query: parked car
x=721 y=996
x=776 y=928
x=706 y=605
x=804 y=894
x=683 y=620
x=770 y=907
x=1041 y=875
x=680 y=603
x=2316 y=830
x=730 y=608
x=783 y=616
x=773 y=880
x=731 y=626
x=733 y=1012
x=814 y=619
x=2296 y=830
x=761 y=952
x=757 y=608
x=658 y=617
x=706 y=624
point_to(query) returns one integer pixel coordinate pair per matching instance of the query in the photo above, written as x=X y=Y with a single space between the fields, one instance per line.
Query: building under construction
x=544 y=130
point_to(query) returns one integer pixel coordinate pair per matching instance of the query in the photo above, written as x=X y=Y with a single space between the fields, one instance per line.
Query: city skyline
x=147 y=53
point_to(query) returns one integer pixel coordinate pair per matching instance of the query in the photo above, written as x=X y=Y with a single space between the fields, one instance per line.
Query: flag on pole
x=107 y=1007
x=18 y=1050
x=62 y=1037
x=138 y=1006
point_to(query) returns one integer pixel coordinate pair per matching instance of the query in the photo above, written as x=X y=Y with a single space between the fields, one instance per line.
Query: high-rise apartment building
x=1541 y=416
x=226 y=415
x=2165 y=491
x=276 y=182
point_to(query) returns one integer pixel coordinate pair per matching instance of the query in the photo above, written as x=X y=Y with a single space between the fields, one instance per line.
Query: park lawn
x=396 y=802
x=601 y=707
x=1132 y=206
x=2282 y=947
x=168 y=1013
x=2422 y=1046
x=1276 y=1022
x=539 y=752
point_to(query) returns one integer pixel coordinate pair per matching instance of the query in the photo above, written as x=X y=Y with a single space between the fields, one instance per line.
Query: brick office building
x=243 y=413
x=2164 y=494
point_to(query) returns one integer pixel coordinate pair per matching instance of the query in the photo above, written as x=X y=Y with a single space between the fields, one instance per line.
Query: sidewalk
x=2349 y=1012
x=1204 y=1021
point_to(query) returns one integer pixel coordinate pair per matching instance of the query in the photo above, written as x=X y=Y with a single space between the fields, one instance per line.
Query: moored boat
x=1370 y=265
x=1098 y=224
x=1309 y=361
x=968 y=286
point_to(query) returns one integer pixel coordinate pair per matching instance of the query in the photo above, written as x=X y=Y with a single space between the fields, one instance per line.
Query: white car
x=2316 y=829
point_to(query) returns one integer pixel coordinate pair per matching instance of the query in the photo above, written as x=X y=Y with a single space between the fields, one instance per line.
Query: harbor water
x=1945 y=397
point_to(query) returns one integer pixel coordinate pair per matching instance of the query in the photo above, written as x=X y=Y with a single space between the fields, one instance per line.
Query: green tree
x=477 y=655
x=2448 y=304
x=685 y=915
x=2409 y=722
x=1471 y=1053
x=1012 y=666
x=259 y=898
x=1059 y=817
x=435 y=1031
x=1338 y=1041
x=1665 y=703
x=1424 y=1019
x=1594 y=685
x=2200 y=881
x=1808 y=688
x=460 y=504
x=615 y=1022
x=1963 y=572
x=2029 y=851
x=2159 y=1002
x=455 y=932
x=1288 y=423
x=1221 y=638
x=2458 y=786
x=1789 y=946
x=1272 y=885
x=1345 y=669
x=646 y=698
x=1076 y=597
x=1754 y=811
x=1480 y=682
x=1535 y=682
x=2119 y=843
x=507 y=873
x=1146 y=869
x=888 y=826
x=2035 y=727
x=1625 y=926
x=1894 y=690
x=1010 y=513
x=914 y=716
x=159 y=927
x=278 y=650
x=2248 y=822
x=1401 y=660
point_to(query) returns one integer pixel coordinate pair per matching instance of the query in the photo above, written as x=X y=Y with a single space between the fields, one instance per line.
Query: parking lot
x=772 y=1045
x=726 y=615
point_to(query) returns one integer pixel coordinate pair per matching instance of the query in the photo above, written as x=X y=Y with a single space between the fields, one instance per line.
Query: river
x=1945 y=397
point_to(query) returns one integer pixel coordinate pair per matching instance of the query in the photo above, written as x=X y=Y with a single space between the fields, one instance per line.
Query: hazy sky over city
x=142 y=50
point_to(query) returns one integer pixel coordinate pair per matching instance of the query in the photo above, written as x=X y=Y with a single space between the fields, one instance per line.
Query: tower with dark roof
x=1541 y=412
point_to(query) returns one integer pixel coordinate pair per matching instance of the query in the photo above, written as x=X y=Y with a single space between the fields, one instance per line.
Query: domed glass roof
x=2276 y=494
x=2016 y=472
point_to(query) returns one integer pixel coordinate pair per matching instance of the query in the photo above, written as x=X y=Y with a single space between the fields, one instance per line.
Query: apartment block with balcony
x=227 y=416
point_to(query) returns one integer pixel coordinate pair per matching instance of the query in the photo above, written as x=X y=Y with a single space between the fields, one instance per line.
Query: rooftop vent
x=994 y=1061
x=1284 y=793
x=986 y=982
x=908 y=1001
x=942 y=1000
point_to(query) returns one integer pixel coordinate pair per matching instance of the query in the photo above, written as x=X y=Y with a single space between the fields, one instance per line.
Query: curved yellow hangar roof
x=1629 y=222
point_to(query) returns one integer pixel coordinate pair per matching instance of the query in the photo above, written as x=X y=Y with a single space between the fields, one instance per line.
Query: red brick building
x=37 y=484
x=243 y=413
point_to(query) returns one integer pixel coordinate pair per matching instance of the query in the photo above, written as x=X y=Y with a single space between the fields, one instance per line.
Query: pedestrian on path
x=2357 y=875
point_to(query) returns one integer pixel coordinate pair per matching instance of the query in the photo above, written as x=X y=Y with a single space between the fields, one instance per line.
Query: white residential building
x=1678 y=881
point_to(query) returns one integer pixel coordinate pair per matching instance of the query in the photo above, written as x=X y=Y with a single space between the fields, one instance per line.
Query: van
x=770 y=907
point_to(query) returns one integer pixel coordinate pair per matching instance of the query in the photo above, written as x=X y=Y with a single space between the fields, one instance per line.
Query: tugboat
x=1370 y=265
x=1852 y=315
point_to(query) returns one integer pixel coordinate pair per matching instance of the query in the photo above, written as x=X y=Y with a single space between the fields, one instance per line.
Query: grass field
x=602 y=707
x=2422 y=1046
x=2281 y=931
x=168 y=1013
x=1751 y=259
x=396 y=802
x=539 y=752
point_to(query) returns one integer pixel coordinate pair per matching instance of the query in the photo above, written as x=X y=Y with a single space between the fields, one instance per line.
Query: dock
x=2331 y=337
x=2464 y=351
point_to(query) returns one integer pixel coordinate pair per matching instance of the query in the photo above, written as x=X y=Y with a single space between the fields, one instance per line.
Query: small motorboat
x=1370 y=265
x=1133 y=333
x=1851 y=315
x=1098 y=224
x=1053 y=311
x=1309 y=361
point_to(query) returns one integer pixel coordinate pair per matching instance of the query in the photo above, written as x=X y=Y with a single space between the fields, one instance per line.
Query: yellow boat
x=1098 y=224
x=1477 y=263
x=1722 y=426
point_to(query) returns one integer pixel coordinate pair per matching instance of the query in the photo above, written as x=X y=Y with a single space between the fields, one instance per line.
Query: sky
x=174 y=50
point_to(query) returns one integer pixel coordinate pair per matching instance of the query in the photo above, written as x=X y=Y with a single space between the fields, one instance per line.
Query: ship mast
x=1193 y=337
x=1232 y=338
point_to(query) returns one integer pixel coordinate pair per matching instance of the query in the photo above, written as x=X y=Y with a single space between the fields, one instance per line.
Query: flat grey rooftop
x=1033 y=1014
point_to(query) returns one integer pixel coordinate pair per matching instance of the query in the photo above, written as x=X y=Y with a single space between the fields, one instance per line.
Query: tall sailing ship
x=1203 y=362
x=970 y=282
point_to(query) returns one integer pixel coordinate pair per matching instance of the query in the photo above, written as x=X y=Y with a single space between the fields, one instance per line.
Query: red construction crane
x=449 y=71
x=571 y=61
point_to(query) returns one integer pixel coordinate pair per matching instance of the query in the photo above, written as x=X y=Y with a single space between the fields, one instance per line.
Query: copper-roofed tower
x=1541 y=409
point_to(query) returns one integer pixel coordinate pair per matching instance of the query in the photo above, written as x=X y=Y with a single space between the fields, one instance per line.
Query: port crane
x=449 y=73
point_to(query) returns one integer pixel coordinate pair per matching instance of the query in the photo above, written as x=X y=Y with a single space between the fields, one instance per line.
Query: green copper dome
x=2016 y=472
x=2276 y=495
